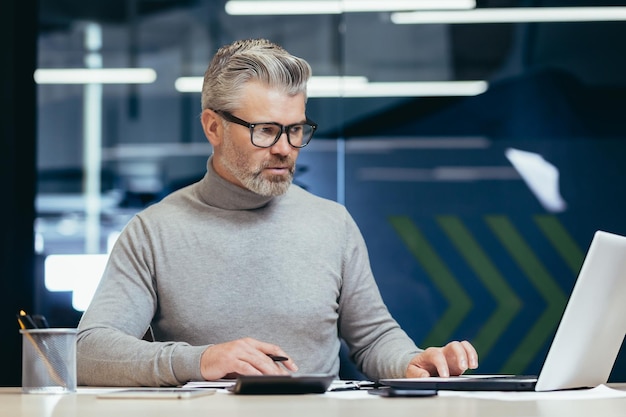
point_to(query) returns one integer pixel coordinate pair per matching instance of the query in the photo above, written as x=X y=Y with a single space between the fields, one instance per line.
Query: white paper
x=218 y=383
x=599 y=392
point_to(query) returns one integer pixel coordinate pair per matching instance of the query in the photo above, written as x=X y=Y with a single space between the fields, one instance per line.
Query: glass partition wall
x=478 y=144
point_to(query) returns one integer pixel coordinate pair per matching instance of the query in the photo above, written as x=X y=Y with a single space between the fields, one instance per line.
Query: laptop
x=587 y=340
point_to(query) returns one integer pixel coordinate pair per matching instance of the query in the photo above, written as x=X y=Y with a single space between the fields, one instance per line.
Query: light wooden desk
x=15 y=404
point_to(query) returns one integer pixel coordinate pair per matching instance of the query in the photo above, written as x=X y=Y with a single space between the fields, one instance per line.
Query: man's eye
x=267 y=129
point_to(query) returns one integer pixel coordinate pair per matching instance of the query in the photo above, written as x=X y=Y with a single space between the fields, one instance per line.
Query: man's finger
x=416 y=372
x=472 y=355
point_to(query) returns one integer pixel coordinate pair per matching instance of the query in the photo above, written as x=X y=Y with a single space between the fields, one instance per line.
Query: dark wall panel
x=18 y=32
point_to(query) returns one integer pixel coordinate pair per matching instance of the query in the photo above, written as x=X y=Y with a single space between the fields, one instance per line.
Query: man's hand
x=452 y=359
x=243 y=357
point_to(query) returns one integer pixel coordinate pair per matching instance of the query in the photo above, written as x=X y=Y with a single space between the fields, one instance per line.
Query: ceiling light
x=332 y=86
x=290 y=7
x=188 y=84
x=317 y=83
x=410 y=89
x=95 y=76
x=513 y=15
x=357 y=86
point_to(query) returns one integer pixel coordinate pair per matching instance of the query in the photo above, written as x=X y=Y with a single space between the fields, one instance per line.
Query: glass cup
x=48 y=361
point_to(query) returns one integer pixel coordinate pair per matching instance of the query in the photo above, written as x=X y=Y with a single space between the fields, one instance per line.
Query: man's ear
x=212 y=127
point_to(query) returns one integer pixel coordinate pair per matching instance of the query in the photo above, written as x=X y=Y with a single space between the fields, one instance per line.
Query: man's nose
x=282 y=145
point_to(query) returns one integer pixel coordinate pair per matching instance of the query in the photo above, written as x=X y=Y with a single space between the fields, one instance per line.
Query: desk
x=85 y=404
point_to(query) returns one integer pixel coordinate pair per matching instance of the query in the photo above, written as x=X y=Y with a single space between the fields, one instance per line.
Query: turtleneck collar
x=217 y=192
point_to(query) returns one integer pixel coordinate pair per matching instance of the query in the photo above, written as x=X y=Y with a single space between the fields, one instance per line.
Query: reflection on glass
x=541 y=177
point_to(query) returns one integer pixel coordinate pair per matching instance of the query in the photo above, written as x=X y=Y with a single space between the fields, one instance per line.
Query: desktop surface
x=340 y=404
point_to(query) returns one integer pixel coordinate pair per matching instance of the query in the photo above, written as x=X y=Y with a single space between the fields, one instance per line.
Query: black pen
x=277 y=358
x=40 y=321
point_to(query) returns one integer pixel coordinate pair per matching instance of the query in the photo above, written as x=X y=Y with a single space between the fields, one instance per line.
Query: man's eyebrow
x=303 y=121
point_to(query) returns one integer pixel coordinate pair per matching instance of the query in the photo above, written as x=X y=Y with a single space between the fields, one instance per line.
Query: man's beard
x=252 y=178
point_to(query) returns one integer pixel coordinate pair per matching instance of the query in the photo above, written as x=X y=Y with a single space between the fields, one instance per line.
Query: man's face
x=265 y=171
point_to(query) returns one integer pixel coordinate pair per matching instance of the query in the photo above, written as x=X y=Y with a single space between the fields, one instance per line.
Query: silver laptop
x=586 y=342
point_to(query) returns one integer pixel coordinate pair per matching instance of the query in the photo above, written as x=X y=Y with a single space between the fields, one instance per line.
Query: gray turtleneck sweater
x=214 y=262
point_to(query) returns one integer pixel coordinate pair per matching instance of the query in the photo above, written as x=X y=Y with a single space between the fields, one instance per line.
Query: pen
x=347 y=385
x=277 y=358
x=40 y=321
x=25 y=321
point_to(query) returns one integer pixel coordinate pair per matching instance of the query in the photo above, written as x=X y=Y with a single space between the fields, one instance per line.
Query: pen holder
x=48 y=361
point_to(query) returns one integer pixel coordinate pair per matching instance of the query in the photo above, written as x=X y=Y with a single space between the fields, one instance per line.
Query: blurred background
x=478 y=145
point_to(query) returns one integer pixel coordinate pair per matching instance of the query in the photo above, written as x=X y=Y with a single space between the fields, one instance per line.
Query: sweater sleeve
x=377 y=344
x=110 y=349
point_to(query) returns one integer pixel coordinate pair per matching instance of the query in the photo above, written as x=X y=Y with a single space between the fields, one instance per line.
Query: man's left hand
x=452 y=359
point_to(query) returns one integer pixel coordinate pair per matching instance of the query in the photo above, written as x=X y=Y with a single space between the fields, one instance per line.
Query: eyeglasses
x=265 y=135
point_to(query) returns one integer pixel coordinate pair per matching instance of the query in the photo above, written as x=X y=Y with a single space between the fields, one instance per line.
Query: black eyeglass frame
x=283 y=129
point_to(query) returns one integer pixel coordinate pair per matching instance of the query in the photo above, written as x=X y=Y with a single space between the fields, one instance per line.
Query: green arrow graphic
x=508 y=304
x=542 y=281
x=459 y=303
x=562 y=241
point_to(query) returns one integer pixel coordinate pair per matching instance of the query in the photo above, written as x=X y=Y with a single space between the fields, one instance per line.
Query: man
x=243 y=264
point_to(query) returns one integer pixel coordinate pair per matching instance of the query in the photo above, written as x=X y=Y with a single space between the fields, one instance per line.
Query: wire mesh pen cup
x=48 y=361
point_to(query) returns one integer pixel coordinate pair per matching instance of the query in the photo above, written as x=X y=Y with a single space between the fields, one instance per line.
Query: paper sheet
x=338 y=385
x=219 y=383
x=601 y=391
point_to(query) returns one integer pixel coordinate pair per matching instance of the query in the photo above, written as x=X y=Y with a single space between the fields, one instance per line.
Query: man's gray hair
x=251 y=60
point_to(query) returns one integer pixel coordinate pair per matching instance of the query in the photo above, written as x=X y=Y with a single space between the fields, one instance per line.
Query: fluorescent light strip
x=188 y=84
x=411 y=89
x=306 y=7
x=321 y=83
x=439 y=174
x=513 y=15
x=333 y=86
x=95 y=76
x=355 y=86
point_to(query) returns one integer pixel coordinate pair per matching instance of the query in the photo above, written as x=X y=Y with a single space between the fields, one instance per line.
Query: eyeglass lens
x=265 y=134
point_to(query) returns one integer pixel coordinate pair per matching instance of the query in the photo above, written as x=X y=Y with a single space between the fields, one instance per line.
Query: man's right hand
x=243 y=357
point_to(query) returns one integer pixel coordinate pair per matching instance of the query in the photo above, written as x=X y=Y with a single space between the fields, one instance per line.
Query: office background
x=477 y=158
